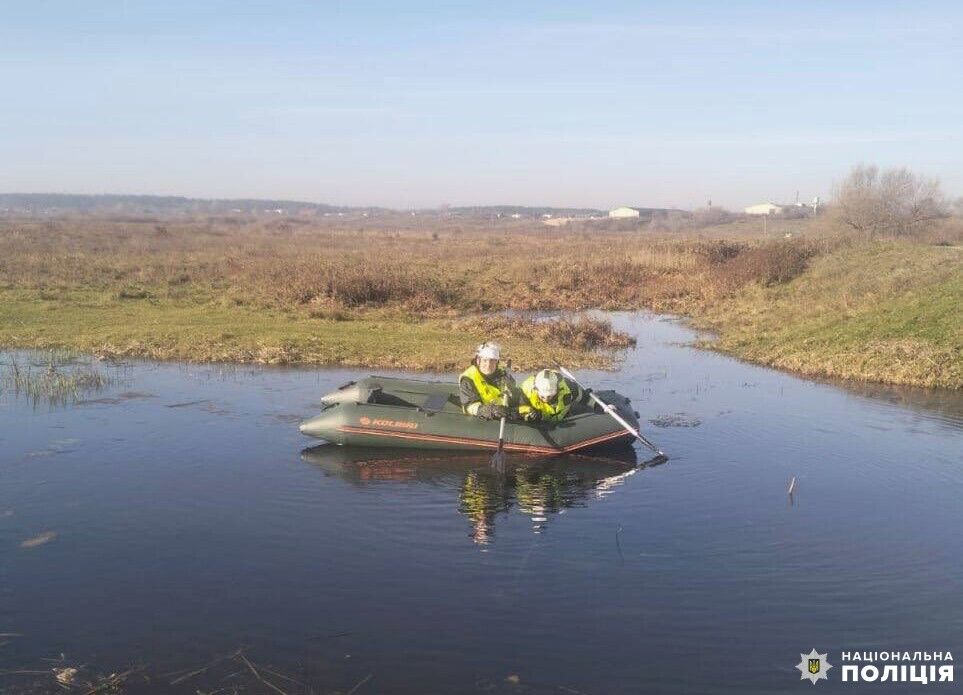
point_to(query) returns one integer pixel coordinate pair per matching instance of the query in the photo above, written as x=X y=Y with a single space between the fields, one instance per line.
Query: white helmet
x=546 y=384
x=488 y=351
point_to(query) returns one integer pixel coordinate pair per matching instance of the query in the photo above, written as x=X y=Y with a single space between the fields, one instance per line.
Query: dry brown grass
x=312 y=291
x=315 y=269
x=579 y=332
x=311 y=267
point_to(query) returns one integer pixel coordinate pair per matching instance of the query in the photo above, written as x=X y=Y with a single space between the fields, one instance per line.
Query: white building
x=624 y=213
x=764 y=209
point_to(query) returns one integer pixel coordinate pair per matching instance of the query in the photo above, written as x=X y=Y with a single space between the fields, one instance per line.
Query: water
x=184 y=521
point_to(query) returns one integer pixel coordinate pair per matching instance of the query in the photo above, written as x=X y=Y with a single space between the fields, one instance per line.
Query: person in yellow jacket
x=485 y=389
x=548 y=397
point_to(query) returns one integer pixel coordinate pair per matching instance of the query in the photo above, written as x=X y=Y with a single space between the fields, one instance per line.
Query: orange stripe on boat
x=484 y=443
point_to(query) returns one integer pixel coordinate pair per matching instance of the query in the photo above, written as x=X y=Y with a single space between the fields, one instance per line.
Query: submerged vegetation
x=414 y=294
x=60 y=378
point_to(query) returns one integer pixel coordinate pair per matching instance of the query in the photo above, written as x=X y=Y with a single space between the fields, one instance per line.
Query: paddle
x=498 y=458
x=610 y=409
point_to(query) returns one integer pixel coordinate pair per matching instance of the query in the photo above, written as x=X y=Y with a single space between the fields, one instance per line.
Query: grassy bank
x=884 y=311
x=168 y=330
x=303 y=292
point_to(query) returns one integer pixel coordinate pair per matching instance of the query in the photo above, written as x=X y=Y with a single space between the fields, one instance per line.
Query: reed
x=60 y=378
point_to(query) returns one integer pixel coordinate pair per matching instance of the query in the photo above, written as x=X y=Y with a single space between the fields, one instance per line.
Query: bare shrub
x=770 y=264
x=358 y=286
x=708 y=217
x=673 y=221
x=722 y=251
x=677 y=221
x=796 y=212
x=894 y=202
x=945 y=232
x=581 y=332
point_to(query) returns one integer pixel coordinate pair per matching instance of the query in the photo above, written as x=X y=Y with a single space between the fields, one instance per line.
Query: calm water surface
x=186 y=517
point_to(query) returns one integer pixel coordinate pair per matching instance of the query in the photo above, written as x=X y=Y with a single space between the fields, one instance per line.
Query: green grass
x=888 y=312
x=97 y=323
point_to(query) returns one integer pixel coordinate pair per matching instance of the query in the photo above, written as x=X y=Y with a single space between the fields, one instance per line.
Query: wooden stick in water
x=259 y=676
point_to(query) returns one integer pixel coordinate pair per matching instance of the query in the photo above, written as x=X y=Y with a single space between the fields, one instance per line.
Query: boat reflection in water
x=536 y=486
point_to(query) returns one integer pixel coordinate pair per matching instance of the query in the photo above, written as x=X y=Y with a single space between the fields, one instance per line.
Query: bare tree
x=708 y=216
x=672 y=221
x=894 y=202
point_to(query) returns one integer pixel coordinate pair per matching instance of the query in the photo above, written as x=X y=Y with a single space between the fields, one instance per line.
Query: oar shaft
x=610 y=409
x=498 y=456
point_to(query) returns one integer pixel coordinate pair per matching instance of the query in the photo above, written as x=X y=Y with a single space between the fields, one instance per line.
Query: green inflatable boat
x=391 y=412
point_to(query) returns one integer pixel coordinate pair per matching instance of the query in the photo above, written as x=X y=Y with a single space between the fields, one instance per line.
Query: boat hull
x=402 y=413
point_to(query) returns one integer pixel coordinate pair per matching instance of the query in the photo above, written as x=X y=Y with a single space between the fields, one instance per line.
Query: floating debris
x=44 y=537
x=59 y=446
x=65 y=676
x=288 y=417
x=359 y=684
x=676 y=420
x=118 y=399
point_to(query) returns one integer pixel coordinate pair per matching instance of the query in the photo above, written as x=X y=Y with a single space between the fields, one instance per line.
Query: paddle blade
x=498 y=459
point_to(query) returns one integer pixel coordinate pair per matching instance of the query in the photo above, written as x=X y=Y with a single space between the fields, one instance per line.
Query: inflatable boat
x=392 y=412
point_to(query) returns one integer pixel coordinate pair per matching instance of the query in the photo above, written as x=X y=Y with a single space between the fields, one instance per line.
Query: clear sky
x=421 y=103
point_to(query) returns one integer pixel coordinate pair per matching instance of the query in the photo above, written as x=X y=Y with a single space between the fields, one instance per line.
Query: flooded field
x=168 y=523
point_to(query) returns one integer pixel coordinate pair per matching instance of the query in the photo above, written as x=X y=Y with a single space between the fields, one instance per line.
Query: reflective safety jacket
x=476 y=390
x=551 y=412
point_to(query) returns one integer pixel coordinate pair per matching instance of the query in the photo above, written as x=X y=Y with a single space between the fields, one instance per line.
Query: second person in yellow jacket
x=548 y=397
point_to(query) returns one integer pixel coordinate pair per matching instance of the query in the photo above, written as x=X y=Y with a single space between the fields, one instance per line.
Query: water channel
x=177 y=515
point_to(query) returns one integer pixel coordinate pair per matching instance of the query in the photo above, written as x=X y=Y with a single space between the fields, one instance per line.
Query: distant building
x=793 y=210
x=764 y=209
x=624 y=213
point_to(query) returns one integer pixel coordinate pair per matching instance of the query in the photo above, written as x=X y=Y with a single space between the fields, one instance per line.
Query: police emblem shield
x=813 y=667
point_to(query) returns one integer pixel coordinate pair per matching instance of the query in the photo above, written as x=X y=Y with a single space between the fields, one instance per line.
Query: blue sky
x=423 y=103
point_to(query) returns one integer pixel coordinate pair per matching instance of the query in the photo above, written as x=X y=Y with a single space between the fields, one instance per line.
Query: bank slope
x=890 y=312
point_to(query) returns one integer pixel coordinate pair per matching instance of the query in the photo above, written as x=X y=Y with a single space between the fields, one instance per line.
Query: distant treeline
x=59 y=203
x=524 y=211
x=156 y=205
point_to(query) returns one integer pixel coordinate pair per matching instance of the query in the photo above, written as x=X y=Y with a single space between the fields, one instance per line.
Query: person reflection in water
x=537 y=493
x=481 y=498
